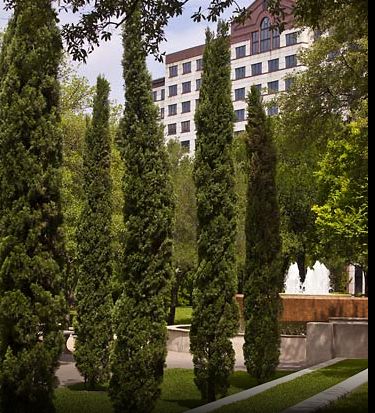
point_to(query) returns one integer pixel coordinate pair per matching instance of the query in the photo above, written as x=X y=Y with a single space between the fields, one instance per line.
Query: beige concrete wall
x=293 y=350
x=350 y=340
x=319 y=345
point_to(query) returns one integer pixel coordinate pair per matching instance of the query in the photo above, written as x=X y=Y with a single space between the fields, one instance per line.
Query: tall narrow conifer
x=215 y=317
x=94 y=247
x=140 y=313
x=31 y=302
x=264 y=271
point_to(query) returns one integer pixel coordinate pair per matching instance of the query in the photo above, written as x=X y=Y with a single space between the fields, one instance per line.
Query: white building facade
x=261 y=56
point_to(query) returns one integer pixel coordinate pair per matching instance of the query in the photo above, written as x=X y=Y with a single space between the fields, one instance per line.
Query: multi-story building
x=261 y=56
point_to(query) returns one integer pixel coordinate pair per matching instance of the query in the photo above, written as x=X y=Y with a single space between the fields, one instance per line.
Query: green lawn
x=356 y=402
x=183 y=315
x=286 y=395
x=179 y=394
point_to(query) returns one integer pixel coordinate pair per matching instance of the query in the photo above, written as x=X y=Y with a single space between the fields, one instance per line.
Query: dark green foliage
x=264 y=272
x=94 y=238
x=216 y=315
x=31 y=249
x=140 y=313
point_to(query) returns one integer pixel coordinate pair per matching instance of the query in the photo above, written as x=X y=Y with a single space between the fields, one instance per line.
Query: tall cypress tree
x=264 y=271
x=94 y=247
x=140 y=313
x=31 y=303
x=215 y=316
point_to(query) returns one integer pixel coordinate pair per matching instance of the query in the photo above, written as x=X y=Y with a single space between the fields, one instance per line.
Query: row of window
x=186 y=68
x=273 y=66
x=240 y=114
x=266 y=39
x=185 y=128
x=239 y=95
x=272 y=87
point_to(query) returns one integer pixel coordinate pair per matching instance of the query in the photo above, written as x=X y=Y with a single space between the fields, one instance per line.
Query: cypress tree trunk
x=94 y=247
x=264 y=267
x=141 y=312
x=31 y=249
x=215 y=316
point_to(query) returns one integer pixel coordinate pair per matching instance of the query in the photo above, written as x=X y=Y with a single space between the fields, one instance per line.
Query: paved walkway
x=68 y=373
x=325 y=398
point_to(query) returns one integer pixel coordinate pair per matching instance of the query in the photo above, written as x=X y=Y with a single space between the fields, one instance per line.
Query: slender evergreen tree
x=94 y=247
x=141 y=311
x=31 y=302
x=264 y=271
x=215 y=316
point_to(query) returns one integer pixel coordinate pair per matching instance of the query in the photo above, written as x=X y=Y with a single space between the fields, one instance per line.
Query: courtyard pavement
x=68 y=374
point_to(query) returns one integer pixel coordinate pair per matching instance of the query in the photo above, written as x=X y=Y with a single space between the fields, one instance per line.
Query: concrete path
x=260 y=389
x=324 y=399
x=68 y=374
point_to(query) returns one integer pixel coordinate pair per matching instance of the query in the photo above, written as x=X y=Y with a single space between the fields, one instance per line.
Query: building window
x=240 y=52
x=273 y=87
x=155 y=96
x=258 y=88
x=172 y=129
x=273 y=65
x=162 y=113
x=198 y=84
x=291 y=61
x=185 y=126
x=172 y=90
x=265 y=35
x=292 y=39
x=172 y=110
x=240 y=115
x=256 y=69
x=276 y=39
x=289 y=83
x=162 y=94
x=240 y=94
x=186 y=107
x=185 y=145
x=173 y=71
x=186 y=68
x=273 y=110
x=186 y=87
x=255 y=43
x=199 y=65
x=240 y=72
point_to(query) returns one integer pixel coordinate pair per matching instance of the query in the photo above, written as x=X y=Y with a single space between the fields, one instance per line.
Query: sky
x=181 y=33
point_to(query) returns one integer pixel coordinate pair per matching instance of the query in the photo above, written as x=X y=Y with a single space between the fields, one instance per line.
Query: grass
x=355 y=402
x=179 y=394
x=183 y=315
x=288 y=394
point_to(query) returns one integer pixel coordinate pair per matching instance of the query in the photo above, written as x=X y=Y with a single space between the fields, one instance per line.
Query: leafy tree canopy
x=98 y=18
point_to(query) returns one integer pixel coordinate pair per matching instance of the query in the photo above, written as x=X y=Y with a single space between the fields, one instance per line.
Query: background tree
x=215 y=313
x=31 y=249
x=141 y=311
x=342 y=214
x=327 y=96
x=93 y=327
x=264 y=270
x=185 y=229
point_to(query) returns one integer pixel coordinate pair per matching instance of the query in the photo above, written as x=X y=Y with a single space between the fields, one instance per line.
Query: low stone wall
x=324 y=341
x=293 y=348
x=318 y=308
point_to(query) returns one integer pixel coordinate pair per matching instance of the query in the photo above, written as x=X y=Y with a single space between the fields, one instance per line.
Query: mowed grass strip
x=179 y=394
x=183 y=315
x=289 y=394
x=355 y=402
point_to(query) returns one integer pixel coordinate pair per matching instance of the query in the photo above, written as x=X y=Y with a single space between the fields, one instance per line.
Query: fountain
x=317 y=281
